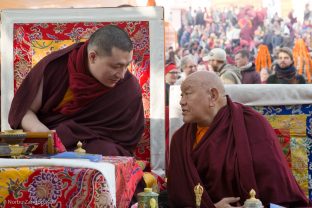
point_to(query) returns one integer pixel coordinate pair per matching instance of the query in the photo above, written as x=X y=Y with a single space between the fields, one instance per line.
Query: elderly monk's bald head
x=206 y=79
x=202 y=97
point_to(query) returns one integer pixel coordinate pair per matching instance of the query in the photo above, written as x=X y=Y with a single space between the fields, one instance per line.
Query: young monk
x=85 y=92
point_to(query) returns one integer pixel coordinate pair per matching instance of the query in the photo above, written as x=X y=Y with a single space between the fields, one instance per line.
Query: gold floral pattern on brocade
x=295 y=123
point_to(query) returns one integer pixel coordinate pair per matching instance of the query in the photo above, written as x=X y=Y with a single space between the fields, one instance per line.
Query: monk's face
x=108 y=70
x=194 y=102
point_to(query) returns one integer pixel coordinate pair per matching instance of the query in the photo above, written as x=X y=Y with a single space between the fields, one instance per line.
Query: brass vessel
x=147 y=199
x=12 y=144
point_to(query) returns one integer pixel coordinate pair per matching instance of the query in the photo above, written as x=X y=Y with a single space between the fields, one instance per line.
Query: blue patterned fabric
x=306 y=140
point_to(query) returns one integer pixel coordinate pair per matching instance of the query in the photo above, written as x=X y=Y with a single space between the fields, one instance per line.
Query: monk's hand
x=226 y=202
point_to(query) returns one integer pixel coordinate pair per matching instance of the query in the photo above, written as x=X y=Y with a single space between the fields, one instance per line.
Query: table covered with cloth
x=68 y=182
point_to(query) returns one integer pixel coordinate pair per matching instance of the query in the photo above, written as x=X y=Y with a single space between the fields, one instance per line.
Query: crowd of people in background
x=226 y=41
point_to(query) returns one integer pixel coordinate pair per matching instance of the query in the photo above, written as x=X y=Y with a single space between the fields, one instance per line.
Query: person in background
x=188 y=66
x=228 y=73
x=170 y=56
x=285 y=71
x=85 y=93
x=228 y=149
x=264 y=75
x=248 y=69
x=171 y=76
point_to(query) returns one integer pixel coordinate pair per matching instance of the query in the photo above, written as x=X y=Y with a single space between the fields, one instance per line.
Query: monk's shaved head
x=207 y=80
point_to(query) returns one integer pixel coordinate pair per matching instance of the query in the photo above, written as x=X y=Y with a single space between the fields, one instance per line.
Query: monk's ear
x=91 y=56
x=214 y=93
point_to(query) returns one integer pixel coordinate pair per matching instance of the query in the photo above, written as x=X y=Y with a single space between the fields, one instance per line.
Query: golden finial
x=252 y=201
x=252 y=194
x=198 y=190
x=79 y=149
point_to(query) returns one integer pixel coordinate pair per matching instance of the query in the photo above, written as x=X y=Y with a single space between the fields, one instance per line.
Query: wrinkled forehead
x=190 y=84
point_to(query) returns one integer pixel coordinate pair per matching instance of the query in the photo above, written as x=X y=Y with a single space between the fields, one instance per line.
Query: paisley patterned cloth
x=68 y=187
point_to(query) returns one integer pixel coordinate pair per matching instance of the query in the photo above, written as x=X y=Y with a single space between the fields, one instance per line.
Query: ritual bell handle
x=198 y=190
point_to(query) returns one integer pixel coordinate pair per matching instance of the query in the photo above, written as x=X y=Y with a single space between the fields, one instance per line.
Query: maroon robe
x=239 y=152
x=112 y=124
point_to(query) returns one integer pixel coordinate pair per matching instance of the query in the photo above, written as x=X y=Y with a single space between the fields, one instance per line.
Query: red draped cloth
x=84 y=87
x=110 y=123
x=239 y=152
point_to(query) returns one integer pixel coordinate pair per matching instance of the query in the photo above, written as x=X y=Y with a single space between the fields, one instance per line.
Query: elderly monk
x=229 y=149
x=85 y=92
